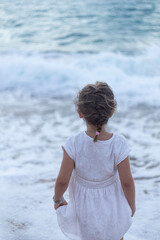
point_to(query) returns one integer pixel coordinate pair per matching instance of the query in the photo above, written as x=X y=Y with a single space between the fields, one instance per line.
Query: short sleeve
x=122 y=149
x=69 y=147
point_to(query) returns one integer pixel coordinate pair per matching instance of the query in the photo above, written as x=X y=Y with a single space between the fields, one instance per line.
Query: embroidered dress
x=97 y=207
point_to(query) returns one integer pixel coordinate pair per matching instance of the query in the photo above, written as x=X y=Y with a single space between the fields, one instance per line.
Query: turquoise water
x=53 y=48
x=79 y=26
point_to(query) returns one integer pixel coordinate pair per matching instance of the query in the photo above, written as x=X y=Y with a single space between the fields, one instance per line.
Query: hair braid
x=99 y=128
x=96 y=102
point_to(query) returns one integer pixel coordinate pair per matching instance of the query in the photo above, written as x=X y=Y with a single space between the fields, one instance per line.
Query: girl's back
x=97 y=209
x=96 y=168
x=96 y=161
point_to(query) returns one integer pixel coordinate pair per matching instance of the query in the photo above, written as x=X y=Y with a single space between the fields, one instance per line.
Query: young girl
x=96 y=167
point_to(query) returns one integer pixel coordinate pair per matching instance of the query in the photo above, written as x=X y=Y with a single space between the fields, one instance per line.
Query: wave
x=133 y=78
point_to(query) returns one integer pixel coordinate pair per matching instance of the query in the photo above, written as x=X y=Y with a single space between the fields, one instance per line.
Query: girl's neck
x=104 y=135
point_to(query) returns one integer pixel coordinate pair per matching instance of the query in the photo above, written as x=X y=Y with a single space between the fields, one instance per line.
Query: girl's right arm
x=127 y=182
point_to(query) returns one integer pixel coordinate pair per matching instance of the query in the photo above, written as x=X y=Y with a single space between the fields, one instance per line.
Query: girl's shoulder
x=119 y=138
x=70 y=143
x=120 y=142
x=116 y=139
x=72 y=139
x=75 y=136
x=121 y=148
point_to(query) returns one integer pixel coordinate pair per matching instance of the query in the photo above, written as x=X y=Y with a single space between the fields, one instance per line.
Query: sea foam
x=134 y=79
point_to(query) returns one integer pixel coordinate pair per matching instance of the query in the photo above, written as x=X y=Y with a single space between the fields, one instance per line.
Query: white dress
x=97 y=208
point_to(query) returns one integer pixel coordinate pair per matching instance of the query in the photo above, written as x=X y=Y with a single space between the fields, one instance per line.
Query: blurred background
x=49 y=50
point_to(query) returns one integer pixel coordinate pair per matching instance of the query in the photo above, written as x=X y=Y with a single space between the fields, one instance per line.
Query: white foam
x=33 y=130
x=134 y=79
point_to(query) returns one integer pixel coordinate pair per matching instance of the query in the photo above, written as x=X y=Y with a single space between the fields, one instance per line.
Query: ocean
x=48 y=51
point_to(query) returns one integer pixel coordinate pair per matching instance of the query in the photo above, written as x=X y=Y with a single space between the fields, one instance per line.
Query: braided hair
x=97 y=103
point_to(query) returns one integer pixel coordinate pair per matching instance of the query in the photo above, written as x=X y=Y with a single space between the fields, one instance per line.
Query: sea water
x=48 y=51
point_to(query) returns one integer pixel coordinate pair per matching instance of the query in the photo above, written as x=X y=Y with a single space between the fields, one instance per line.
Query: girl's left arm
x=63 y=178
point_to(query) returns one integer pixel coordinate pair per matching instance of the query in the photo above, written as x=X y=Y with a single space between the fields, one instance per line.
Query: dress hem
x=60 y=226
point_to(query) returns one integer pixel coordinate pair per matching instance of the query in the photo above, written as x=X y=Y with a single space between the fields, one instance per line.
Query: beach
x=45 y=59
x=32 y=132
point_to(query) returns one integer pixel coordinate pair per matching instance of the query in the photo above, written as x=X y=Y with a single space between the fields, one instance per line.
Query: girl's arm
x=64 y=176
x=127 y=182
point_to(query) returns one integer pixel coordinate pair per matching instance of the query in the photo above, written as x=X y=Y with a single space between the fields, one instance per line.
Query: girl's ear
x=79 y=113
x=112 y=114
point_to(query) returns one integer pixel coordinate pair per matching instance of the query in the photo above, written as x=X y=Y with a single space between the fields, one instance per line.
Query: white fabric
x=97 y=207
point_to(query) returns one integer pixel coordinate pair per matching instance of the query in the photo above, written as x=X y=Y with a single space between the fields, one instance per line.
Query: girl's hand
x=133 y=210
x=58 y=205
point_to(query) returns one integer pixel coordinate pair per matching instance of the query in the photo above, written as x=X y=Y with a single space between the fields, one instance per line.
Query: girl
x=96 y=167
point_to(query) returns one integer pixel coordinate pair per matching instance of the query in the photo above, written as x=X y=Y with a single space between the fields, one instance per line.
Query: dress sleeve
x=69 y=147
x=122 y=149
